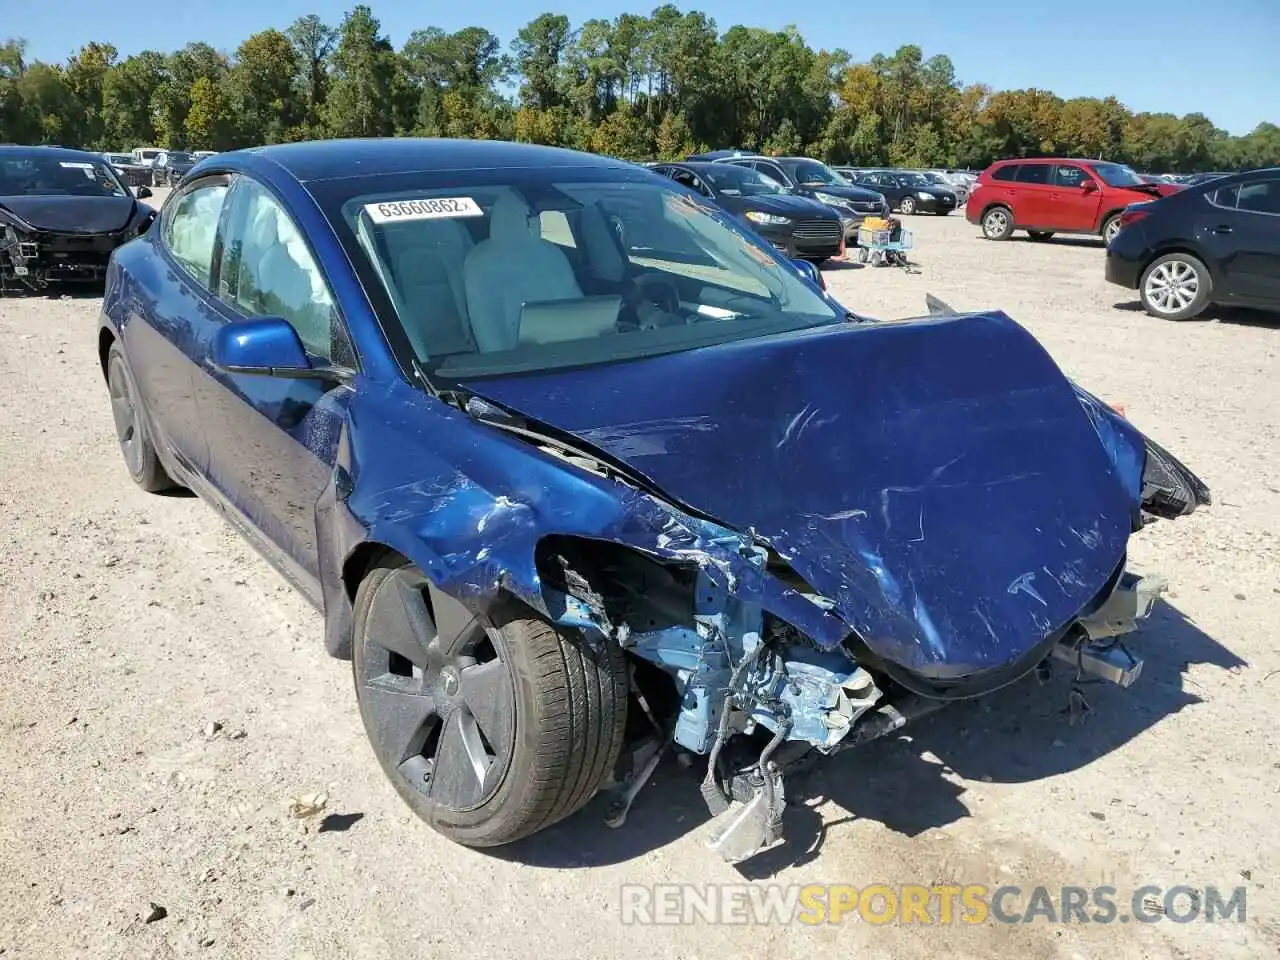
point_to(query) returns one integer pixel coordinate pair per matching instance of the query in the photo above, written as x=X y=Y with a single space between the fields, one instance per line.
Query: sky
x=1177 y=56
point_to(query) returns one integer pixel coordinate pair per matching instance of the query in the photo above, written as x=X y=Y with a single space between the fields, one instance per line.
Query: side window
x=1225 y=196
x=1261 y=197
x=1009 y=172
x=191 y=227
x=268 y=271
x=1034 y=173
x=1066 y=175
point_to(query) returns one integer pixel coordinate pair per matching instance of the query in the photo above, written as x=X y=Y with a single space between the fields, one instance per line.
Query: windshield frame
x=336 y=196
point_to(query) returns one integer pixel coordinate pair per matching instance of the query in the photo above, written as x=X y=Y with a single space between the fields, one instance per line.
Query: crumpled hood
x=937 y=479
x=72 y=214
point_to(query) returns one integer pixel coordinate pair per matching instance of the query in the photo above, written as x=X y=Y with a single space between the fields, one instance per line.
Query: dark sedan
x=800 y=227
x=810 y=178
x=1217 y=242
x=908 y=192
x=62 y=213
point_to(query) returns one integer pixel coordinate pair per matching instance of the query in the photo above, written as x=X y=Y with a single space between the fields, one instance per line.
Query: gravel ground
x=164 y=696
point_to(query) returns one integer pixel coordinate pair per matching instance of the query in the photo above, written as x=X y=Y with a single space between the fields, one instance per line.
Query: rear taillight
x=1129 y=217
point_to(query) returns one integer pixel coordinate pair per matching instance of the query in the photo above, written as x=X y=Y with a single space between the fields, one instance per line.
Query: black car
x=803 y=228
x=812 y=178
x=1218 y=242
x=62 y=213
x=908 y=192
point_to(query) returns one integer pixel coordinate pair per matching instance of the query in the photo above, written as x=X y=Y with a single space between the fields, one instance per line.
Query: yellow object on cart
x=875 y=223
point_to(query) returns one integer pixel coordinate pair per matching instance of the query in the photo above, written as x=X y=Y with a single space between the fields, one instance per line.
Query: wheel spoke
x=462 y=762
x=487 y=692
x=399 y=620
x=401 y=715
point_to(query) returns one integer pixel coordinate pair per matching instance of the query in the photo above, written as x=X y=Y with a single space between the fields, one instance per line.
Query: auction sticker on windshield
x=428 y=208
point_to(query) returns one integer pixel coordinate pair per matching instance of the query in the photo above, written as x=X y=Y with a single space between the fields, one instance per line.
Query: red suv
x=1045 y=196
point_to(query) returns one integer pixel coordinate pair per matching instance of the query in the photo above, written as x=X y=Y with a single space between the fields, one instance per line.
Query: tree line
x=638 y=87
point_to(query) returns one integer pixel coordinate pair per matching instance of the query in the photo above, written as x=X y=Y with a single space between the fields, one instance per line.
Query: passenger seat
x=426 y=258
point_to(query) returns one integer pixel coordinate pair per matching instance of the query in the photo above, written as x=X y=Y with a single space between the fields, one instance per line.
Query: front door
x=1073 y=205
x=272 y=442
x=1252 y=234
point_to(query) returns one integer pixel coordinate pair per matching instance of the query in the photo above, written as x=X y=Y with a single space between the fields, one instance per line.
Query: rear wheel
x=1175 y=287
x=997 y=223
x=908 y=205
x=132 y=433
x=1039 y=235
x=494 y=734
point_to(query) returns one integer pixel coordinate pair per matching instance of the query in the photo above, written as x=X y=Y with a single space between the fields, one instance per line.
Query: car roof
x=65 y=153
x=334 y=159
x=1083 y=160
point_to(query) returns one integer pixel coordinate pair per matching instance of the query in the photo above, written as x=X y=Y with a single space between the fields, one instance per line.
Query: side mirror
x=810 y=273
x=142 y=192
x=265 y=346
x=1088 y=186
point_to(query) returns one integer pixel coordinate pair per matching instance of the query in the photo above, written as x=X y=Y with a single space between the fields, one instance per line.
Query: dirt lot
x=130 y=625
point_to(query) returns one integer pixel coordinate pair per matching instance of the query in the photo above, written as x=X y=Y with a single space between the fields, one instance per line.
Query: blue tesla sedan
x=579 y=470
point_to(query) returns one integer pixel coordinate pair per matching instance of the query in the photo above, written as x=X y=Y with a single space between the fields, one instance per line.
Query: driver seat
x=514 y=266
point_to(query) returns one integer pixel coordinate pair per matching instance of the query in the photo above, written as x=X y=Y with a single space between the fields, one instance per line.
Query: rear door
x=1250 y=236
x=1032 y=196
x=1072 y=203
x=272 y=442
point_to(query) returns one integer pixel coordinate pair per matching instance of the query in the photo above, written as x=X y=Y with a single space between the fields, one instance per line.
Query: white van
x=146 y=156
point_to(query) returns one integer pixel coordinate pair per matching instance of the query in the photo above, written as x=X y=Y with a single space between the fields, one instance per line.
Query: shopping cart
x=884 y=243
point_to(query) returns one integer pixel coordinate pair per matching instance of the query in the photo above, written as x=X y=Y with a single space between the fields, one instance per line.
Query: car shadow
x=1242 y=316
x=1060 y=241
x=1020 y=734
x=846 y=264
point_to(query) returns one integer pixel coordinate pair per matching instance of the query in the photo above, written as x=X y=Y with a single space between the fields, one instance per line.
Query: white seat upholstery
x=512 y=267
x=427 y=260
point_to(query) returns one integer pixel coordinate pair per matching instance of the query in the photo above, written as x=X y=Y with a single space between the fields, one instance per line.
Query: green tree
x=359 y=103
x=208 y=121
x=86 y=73
x=262 y=90
x=538 y=48
x=313 y=42
x=128 y=94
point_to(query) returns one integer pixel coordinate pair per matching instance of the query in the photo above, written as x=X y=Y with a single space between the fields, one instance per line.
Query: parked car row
x=154 y=166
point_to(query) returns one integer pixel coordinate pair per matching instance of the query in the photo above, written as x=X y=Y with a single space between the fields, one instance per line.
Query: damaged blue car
x=581 y=472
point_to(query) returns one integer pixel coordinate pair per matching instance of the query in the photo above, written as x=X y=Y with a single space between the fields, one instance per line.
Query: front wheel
x=491 y=735
x=1111 y=228
x=908 y=205
x=1175 y=287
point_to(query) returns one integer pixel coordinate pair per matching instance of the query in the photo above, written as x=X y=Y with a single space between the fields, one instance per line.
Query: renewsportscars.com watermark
x=939 y=904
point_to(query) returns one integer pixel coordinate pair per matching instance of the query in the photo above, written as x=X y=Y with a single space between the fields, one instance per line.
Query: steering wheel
x=653 y=299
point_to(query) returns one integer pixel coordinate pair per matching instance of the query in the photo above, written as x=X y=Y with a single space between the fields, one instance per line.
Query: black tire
x=1180 y=272
x=568 y=704
x=997 y=223
x=908 y=205
x=132 y=430
x=1040 y=236
x=1110 y=227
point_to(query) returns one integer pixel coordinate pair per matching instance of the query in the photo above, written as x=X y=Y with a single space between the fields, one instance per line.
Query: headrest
x=509 y=219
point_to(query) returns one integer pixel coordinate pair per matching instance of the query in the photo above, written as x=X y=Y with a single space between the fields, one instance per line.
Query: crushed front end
x=32 y=258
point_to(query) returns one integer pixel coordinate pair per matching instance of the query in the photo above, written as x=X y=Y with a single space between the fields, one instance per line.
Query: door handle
x=1222 y=228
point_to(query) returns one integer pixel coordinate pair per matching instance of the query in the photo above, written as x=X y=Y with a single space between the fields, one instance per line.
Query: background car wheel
x=139 y=453
x=1175 y=287
x=1111 y=228
x=1039 y=235
x=997 y=223
x=494 y=734
x=908 y=205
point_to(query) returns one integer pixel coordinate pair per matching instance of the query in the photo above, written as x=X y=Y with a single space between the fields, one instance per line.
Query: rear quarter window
x=1006 y=173
x=1034 y=173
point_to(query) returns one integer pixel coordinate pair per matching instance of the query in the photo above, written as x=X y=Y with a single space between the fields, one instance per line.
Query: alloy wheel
x=1112 y=228
x=995 y=223
x=1172 y=286
x=124 y=411
x=440 y=712
x=908 y=205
